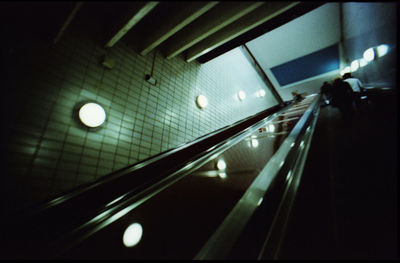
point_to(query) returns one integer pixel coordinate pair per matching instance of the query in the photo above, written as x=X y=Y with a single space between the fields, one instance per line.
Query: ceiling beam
x=184 y=16
x=134 y=15
x=68 y=21
x=240 y=26
x=218 y=17
x=275 y=22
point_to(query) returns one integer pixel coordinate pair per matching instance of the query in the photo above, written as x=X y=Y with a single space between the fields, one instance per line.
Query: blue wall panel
x=317 y=63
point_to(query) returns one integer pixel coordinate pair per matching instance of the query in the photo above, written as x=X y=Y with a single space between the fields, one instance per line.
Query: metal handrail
x=222 y=241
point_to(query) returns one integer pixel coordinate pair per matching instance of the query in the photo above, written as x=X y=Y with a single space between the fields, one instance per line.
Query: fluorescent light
x=92 y=114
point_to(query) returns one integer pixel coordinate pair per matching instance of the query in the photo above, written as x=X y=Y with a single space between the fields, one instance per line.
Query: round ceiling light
x=354 y=65
x=369 y=54
x=241 y=95
x=382 y=50
x=132 y=235
x=363 y=62
x=201 y=101
x=221 y=165
x=92 y=114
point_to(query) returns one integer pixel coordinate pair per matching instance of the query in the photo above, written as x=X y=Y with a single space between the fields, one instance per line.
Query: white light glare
x=369 y=54
x=222 y=175
x=271 y=128
x=132 y=235
x=261 y=93
x=242 y=95
x=382 y=50
x=221 y=165
x=92 y=114
x=302 y=144
x=363 y=62
x=354 y=65
x=254 y=143
x=346 y=69
x=202 y=101
x=205 y=51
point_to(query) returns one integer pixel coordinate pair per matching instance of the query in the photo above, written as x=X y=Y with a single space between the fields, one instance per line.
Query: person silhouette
x=342 y=98
x=326 y=92
x=357 y=88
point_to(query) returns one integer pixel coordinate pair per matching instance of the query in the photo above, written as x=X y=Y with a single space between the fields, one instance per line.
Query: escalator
x=226 y=195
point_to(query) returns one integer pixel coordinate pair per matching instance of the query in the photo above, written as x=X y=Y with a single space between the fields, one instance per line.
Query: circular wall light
x=261 y=93
x=354 y=65
x=201 y=101
x=221 y=165
x=270 y=128
x=132 y=235
x=382 y=50
x=92 y=114
x=369 y=54
x=254 y=143
x=241 y=95
x=363 y=62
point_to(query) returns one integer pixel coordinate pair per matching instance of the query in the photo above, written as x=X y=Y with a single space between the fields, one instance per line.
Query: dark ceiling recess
x=193 y=30
x=279 y=20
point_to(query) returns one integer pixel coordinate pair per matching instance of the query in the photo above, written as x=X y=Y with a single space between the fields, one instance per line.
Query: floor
x=346 y=207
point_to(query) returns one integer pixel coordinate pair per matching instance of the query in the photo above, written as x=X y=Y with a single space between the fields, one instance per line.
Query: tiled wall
x=50 y=152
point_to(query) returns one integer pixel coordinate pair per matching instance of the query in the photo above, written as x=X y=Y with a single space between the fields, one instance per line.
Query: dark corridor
x=346 y=207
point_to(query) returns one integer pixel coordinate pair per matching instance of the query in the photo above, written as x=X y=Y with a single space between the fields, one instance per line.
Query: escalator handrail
x=63 y=208
x=221 y=242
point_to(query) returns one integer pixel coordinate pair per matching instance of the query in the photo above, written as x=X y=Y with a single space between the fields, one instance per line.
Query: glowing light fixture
x=132 y=235
x=260 y=93
x=354 y=65
x=369 y=54
x=363 y=62
x=254 y=143
x=382 y=50
x=92 y=114
x=201 y=101
x=271 y=128
x=241 y=95
x=221 y=165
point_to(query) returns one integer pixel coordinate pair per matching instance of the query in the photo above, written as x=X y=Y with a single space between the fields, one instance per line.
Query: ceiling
x=192 y=30
x=302 y=48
